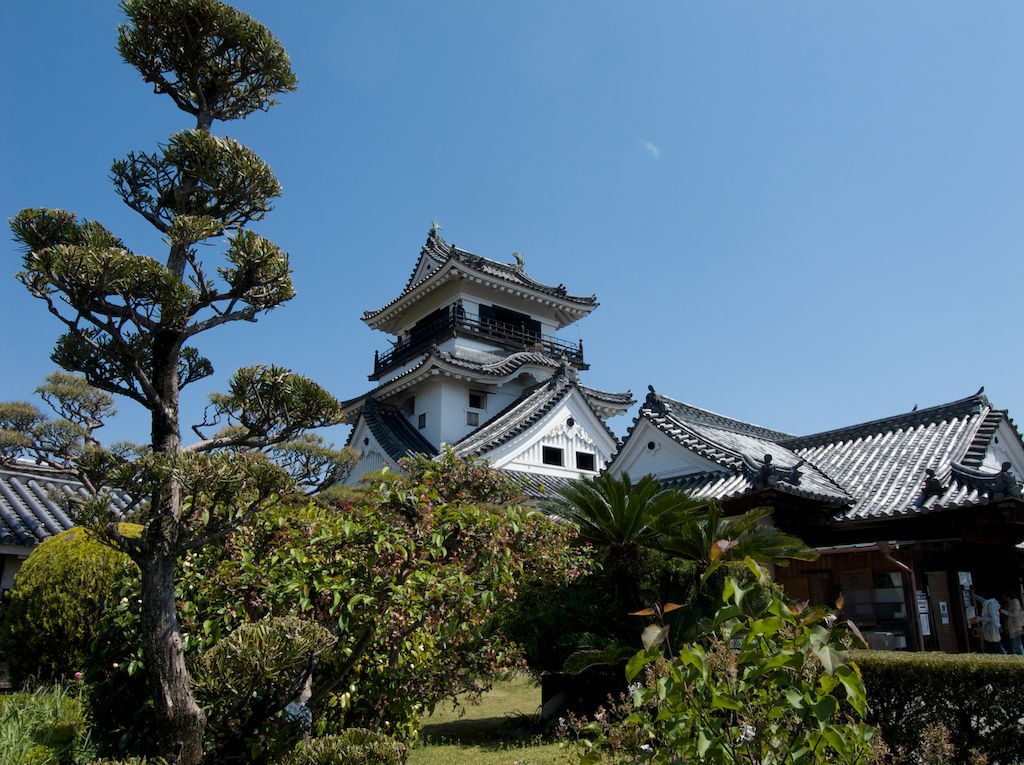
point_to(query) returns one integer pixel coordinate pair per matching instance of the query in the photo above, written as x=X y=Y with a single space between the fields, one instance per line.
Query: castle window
x=422 y=423
x=473 y=418
x=409 y=406
x=585 y=461
x=552 y=455
x=477 y=399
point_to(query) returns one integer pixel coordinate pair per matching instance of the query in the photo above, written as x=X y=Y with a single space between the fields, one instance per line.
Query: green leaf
x=721 y=701
x=824 y=708
x=637 y=663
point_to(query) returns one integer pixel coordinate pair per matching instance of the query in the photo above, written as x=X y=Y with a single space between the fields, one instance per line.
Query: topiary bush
x=54 y=608
x=978 y=700
x=354 y=746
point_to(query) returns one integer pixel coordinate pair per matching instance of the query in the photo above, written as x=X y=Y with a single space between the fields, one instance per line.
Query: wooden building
x=912 y=514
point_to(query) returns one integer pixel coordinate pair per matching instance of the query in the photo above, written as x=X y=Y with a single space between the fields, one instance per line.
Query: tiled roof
x=27 y=513
x=536 y=486
x=883 y=462
x=393 y=431
x=488 y=365
x=873 y=470
x=740 y=449
x=437 y=252
x=483 y=364
x=519 y=416
x=692 y=414
x=619 y=400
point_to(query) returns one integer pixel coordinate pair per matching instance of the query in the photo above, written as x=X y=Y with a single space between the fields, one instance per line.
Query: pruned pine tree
x=132 y=320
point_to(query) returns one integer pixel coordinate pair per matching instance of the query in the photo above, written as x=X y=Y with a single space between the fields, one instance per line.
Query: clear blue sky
x=803 y=214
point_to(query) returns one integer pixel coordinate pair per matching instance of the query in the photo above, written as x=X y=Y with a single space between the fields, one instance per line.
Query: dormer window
x=422 y=422
x=586 y=461
x=472 y=419
x=477 y=399
x=552 y=455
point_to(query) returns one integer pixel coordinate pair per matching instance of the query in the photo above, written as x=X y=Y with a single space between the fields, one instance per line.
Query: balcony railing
x=513 y=337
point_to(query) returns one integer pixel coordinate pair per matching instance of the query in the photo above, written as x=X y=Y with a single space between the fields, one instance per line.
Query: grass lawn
x=498 y=731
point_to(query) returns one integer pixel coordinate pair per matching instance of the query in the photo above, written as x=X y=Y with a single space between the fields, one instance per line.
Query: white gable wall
x=668 y=459
x=586 y=434
x=374 y=457
x=1004 y=447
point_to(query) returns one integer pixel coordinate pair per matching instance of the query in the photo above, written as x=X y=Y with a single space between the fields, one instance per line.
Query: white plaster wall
x=586 y=434
x=667 y=460
x=373 y=456
x=442 y=296
x=473 y=295
x=454 y=405
x=1005 y=447
x=429 y=401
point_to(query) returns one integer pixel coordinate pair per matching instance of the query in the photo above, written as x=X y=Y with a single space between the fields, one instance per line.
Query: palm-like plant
x=709 y=539
x=616 y=514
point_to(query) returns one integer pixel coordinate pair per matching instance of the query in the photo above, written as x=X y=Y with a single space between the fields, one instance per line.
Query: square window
x=585 y=461
x=473 y=418
x=477 y=399
x=422 y=421
x=552 y=455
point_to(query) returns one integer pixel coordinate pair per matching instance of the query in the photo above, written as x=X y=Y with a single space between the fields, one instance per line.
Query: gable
x=666 y=459
x=572 y=427
x=1005 y=446
x=374 y=458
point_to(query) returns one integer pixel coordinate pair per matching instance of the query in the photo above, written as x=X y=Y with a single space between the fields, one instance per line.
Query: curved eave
x=607 y=404
x=566 y=310
x=435 y=364
x=522 y=414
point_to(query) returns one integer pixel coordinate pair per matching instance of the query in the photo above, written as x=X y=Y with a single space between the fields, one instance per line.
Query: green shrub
x=354 y=746
x=977 y=699
x=769 y=683
x=45 y=727
x=55 y=605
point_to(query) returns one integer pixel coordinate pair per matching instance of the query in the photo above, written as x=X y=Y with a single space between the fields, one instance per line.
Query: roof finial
x=980 y=391
x=520 y=260
x=434 y=227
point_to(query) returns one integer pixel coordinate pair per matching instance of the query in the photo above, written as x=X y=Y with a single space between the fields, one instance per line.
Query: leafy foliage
x=46 y=726
x=129 y=319
x=214 y=60
x=54 y=609
x=769 y=685
x=652 y=545
x=389 y=600
x=354 y=746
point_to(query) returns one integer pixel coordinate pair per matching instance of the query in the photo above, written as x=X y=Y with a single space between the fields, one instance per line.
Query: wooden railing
x=509 y=336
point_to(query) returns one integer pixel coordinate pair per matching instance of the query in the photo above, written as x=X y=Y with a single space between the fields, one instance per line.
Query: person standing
x=1014 y=624
x=990 y=625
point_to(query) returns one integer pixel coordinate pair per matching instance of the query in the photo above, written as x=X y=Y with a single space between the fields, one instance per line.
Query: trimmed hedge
x=353 y=746
x=978 y=698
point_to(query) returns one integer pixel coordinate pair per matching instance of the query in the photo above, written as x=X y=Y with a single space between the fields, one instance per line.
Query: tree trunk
x=183 y=722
